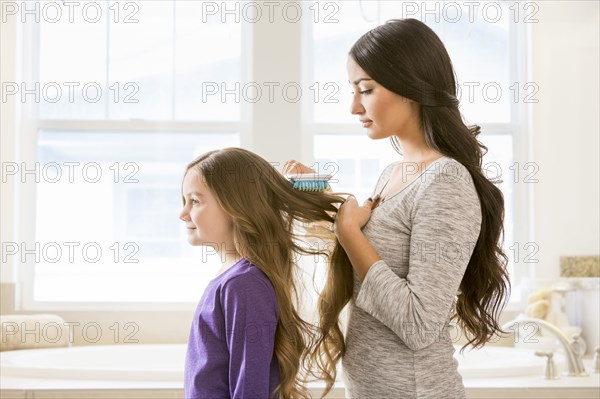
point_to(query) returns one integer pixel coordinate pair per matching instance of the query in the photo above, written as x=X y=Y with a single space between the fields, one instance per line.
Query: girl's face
x=205 y=220
x=382 y=112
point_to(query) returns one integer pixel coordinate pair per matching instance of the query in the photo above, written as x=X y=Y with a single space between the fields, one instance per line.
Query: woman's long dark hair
x=408 y=58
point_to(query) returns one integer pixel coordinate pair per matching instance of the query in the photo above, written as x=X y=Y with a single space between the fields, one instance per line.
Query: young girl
x=426 y=248
x=247 y=339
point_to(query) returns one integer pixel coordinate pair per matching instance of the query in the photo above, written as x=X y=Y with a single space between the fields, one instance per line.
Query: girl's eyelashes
x=191 y=201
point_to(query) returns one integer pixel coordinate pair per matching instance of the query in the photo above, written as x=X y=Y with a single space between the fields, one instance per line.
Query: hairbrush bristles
x=310 y=182
x=313 y=186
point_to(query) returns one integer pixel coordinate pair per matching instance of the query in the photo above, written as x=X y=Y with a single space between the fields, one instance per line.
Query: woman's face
x=382 y=112
x=206 y=221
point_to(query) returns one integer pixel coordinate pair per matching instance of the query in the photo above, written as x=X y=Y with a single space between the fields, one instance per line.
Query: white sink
x=496 y=361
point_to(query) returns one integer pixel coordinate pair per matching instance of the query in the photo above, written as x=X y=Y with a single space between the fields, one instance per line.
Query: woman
x=425 y=249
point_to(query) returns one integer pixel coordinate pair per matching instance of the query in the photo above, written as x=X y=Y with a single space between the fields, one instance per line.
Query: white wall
x=566 y=132
x=8 y=131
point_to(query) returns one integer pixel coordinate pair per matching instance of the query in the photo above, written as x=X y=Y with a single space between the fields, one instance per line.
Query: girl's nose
x=184 y=215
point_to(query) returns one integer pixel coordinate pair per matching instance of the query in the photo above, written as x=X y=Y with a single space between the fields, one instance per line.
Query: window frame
x=28 y=34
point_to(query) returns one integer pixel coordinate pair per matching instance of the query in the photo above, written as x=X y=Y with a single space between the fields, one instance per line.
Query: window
x=107 y=216
x=140 y=60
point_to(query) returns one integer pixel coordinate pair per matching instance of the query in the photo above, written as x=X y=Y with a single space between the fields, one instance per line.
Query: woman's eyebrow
x=357 y=81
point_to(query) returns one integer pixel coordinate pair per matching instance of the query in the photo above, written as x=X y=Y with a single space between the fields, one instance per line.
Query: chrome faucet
x=575 y=367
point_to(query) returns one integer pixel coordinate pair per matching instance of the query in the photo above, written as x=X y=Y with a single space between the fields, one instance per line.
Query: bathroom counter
x=534 y=387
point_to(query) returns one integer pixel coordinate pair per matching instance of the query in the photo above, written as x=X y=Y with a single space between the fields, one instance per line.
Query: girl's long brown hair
x=263 y=207
x=408 y=58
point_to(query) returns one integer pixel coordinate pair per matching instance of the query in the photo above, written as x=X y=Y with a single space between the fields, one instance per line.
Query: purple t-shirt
x=230 y=349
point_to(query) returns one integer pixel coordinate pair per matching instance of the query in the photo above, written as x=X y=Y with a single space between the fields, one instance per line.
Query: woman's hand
x=293 y=168
x=351 y=217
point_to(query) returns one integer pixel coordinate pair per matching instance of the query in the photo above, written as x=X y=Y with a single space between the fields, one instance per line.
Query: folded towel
x=539 y=295
x=538 y=309
x=32 y=331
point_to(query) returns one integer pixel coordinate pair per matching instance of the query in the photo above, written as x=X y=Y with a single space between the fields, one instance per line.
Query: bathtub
x=153 y=367
x=165 y=362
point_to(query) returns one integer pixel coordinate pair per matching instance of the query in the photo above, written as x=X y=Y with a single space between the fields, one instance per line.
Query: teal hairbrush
x=311 y=182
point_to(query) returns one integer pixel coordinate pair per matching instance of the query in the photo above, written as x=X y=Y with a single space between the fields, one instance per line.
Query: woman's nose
x=356 y=107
